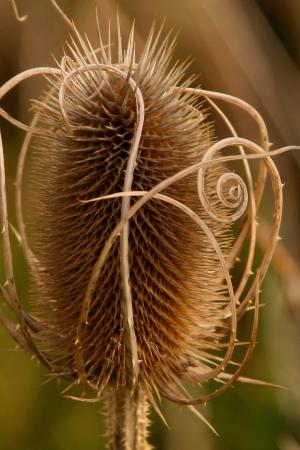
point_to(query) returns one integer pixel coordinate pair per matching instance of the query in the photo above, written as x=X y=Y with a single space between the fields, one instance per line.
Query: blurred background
x=250 y=49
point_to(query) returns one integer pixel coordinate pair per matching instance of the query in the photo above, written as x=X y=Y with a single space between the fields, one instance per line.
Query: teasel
x=131 y=243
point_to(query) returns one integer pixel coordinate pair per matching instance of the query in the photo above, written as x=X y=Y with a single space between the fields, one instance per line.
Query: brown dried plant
x=131 y=243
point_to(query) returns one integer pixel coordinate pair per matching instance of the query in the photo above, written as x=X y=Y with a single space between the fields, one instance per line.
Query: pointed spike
x=144 y=54
x=158 y=410
x=101 y=45
x=82 y=399
x=201 y=417
x=254 y=381
x=130 y=45
x=109 y=42
x=92 y=54
x=66 y=19
x=120 y=47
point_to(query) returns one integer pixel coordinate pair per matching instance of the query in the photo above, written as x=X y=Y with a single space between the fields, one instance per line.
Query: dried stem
x=127 y=411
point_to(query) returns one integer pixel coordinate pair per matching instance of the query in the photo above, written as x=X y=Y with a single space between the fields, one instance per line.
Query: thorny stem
x=127 y=410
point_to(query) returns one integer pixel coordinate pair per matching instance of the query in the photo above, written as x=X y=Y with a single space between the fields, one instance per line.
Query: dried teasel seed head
x=130 y=236
x=90 y=118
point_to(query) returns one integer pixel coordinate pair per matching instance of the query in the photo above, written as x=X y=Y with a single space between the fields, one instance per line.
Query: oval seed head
x=176 y=279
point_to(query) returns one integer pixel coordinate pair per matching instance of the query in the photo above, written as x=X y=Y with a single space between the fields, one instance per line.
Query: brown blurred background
x=247 y=48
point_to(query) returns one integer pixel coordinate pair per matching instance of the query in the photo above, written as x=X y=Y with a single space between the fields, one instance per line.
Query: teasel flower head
x=130 y=241
x=177 y=296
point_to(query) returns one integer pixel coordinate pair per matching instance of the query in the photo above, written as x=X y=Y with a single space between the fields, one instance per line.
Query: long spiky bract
x=130 y=243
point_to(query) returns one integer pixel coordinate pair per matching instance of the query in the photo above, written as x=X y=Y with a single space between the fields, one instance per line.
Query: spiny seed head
x=176 y=280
